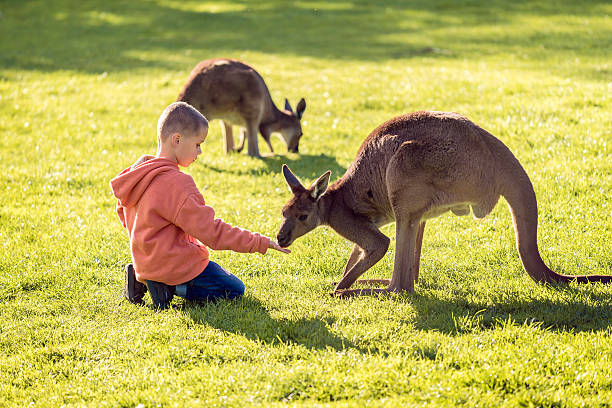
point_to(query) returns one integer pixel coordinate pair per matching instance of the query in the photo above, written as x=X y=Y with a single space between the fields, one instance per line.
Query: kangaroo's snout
x=283 y=239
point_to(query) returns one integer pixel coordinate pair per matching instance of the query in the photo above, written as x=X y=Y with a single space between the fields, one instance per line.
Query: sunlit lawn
x=81 y=87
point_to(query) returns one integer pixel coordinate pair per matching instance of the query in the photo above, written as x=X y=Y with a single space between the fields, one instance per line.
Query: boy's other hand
x=274 y=245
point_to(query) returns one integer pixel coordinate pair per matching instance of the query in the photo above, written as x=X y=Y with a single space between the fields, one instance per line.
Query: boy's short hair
x=179 y=117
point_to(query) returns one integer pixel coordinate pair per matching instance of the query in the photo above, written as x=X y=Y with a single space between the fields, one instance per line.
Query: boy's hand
x=274 y=245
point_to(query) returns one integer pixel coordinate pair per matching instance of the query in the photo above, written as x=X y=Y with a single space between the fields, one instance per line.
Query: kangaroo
x=234 y=92
x=409 y=169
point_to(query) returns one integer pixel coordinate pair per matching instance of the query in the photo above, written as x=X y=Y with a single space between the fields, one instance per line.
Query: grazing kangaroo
x=409 y=169
x=234 y=92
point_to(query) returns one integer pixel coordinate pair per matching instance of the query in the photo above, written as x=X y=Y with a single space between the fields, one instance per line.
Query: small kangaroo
x=234 y=92
x=409 y=169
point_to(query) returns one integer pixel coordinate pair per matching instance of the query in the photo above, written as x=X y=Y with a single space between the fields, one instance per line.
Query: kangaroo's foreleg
x=266 y=137
x=226 y=128
x=371 y=247
x=355 y=254
x=242 y=139
x=417 y=260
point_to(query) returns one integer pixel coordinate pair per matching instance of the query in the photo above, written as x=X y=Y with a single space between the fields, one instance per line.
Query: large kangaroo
x=234 y=92
x=409 y=169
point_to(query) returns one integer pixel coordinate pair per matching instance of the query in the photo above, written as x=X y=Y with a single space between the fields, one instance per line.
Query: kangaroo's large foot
x=255 y=155
x=345 y=293
x=366 y=282
x=374 y=281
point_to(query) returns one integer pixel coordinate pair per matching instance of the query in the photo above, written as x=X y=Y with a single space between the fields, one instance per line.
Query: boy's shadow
x=248 y=317
x=305 y=166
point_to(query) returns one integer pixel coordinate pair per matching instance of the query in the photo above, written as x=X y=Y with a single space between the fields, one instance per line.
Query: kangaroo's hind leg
x=411 y=195
x=252 y=142
x=228 y=136
x=404 y=266
x=417 y=251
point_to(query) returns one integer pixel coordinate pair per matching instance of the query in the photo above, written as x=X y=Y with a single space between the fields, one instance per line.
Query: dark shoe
x=133 y=290
x=161 y=294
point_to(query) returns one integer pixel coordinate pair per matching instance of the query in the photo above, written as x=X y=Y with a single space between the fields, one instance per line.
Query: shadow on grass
x=572 y=312
x=248 y=317
x=306 y=166
x=116 y=36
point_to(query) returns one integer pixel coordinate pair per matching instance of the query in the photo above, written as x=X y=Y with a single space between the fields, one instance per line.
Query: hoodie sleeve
x=198 y=220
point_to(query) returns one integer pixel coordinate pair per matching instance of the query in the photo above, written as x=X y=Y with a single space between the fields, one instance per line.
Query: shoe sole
x=130 y=283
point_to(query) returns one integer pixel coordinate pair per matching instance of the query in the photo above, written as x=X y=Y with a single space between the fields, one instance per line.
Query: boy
x=169 y=224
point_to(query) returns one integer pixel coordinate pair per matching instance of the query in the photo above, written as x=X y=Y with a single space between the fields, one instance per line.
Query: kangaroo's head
x=302 y=213
x=290 y=127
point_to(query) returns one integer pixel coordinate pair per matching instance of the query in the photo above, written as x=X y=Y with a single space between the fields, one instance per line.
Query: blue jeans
x=213 y=283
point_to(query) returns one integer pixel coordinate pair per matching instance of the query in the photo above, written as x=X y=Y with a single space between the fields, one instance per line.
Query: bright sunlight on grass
x=81 y=87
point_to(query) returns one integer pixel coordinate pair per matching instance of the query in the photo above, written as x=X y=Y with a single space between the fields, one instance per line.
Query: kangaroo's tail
x=518 y=192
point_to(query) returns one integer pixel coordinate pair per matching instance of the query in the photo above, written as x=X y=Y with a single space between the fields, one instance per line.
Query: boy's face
x=187 y=148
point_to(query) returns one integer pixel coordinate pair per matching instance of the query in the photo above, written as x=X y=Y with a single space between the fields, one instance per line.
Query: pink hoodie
x=168 y=222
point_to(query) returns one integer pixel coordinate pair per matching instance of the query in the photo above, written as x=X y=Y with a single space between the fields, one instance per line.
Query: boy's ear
x=176 y=137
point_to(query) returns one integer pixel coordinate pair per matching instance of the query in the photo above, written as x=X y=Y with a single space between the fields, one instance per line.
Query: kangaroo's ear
x=320 y=185
x=300 y=108
x=288 y=106
x=294 y=183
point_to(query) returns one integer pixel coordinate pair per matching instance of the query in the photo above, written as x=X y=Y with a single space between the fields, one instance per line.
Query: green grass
x=81 y=87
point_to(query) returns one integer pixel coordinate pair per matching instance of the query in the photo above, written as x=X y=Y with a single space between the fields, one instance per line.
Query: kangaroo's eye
x=302 y=217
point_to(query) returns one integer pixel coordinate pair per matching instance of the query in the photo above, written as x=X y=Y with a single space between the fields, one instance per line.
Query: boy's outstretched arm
x=274 y=245
x=198 y=220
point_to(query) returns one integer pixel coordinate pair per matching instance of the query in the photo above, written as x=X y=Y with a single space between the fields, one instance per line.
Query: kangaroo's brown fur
x=234 y=92
x=409 y=169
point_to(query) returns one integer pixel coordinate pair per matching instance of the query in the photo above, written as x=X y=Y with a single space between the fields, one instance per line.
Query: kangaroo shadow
x=572 y=310
x=306 y=166
x=248 y=317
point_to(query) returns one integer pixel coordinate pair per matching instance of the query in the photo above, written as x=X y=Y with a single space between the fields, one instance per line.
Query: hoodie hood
x=131 y=183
